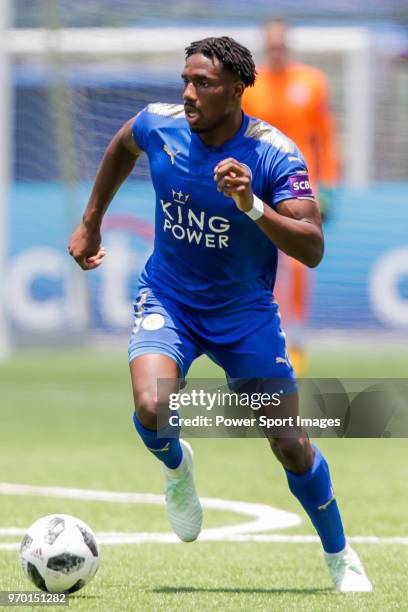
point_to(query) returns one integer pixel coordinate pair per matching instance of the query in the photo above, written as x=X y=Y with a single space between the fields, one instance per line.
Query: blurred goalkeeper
x=295 y=98
x=230 y=191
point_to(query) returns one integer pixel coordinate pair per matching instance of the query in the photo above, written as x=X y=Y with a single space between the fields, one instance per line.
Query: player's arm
x=116 y=165
x=300 y=229
x=294 y=227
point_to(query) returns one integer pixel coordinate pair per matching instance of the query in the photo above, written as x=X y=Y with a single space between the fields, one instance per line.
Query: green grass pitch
x=65 y=420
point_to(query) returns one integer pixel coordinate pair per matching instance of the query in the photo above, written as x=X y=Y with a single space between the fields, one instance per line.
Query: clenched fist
x=85 y=247
x=234 y=180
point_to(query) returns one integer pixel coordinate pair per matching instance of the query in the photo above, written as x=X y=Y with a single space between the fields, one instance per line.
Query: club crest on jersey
x=299 y=185
x=179 y=197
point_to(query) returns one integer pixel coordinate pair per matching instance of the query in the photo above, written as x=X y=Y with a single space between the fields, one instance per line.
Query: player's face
x=276 y=46
x=210 y=93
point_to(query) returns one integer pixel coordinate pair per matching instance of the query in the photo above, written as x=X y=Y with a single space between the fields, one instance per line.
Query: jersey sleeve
x=141 y=128
x=290 y=178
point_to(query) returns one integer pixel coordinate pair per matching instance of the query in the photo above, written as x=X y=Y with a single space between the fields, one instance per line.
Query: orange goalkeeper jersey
x=296 y=101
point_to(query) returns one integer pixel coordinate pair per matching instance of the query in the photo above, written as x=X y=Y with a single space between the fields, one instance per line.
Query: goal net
x=74 y=88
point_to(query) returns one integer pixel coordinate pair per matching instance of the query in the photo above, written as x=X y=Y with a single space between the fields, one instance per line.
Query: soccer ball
x=59 y=553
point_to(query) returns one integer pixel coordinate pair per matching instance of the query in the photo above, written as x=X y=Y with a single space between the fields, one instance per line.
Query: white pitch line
x=11 y=531
x=313 y=539
x=265 y=518
x=116 y=539
x=82 y=494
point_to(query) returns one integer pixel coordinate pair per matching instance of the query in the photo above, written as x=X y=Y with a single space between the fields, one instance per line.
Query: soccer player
x=294 y=98
x=230 y=191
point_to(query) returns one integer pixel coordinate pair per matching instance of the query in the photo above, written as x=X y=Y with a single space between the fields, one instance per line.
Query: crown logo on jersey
x=179 y=197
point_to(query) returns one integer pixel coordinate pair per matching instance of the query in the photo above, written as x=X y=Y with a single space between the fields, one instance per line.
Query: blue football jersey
x=208 y=255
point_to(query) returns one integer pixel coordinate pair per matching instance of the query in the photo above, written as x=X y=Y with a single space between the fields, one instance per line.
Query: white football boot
x=347 y=572
x=183 y=505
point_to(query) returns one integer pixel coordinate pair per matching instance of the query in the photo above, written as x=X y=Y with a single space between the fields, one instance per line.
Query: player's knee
x=295 y=454
x=148 y=407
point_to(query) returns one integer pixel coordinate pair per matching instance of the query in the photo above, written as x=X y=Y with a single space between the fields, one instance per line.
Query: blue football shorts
x=246 y=344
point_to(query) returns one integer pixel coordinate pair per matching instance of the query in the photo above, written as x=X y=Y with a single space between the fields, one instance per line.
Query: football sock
x=162 y=443
x=315 y=492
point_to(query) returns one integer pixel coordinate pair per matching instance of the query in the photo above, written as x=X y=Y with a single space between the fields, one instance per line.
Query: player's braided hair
x=230 y=53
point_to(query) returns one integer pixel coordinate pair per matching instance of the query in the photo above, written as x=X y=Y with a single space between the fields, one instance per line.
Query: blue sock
x=163 y=443
x=315 y=492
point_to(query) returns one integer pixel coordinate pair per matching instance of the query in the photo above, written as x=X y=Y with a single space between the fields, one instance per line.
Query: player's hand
x=234 y=181
x=85 y=247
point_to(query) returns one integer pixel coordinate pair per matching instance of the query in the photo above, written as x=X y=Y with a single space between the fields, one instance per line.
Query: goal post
x=76 y=309
x=75 y=87
x=111 y=44
x=5 y=167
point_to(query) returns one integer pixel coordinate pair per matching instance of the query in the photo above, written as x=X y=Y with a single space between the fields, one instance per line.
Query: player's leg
x=152 y=403
x=262 y=354
x=159 y=352
x=300 y=296
x=310 y=482
x=293 y=294
x=308 y=475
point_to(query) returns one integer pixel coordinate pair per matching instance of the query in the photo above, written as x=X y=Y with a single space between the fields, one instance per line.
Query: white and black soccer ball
x=59 y=553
